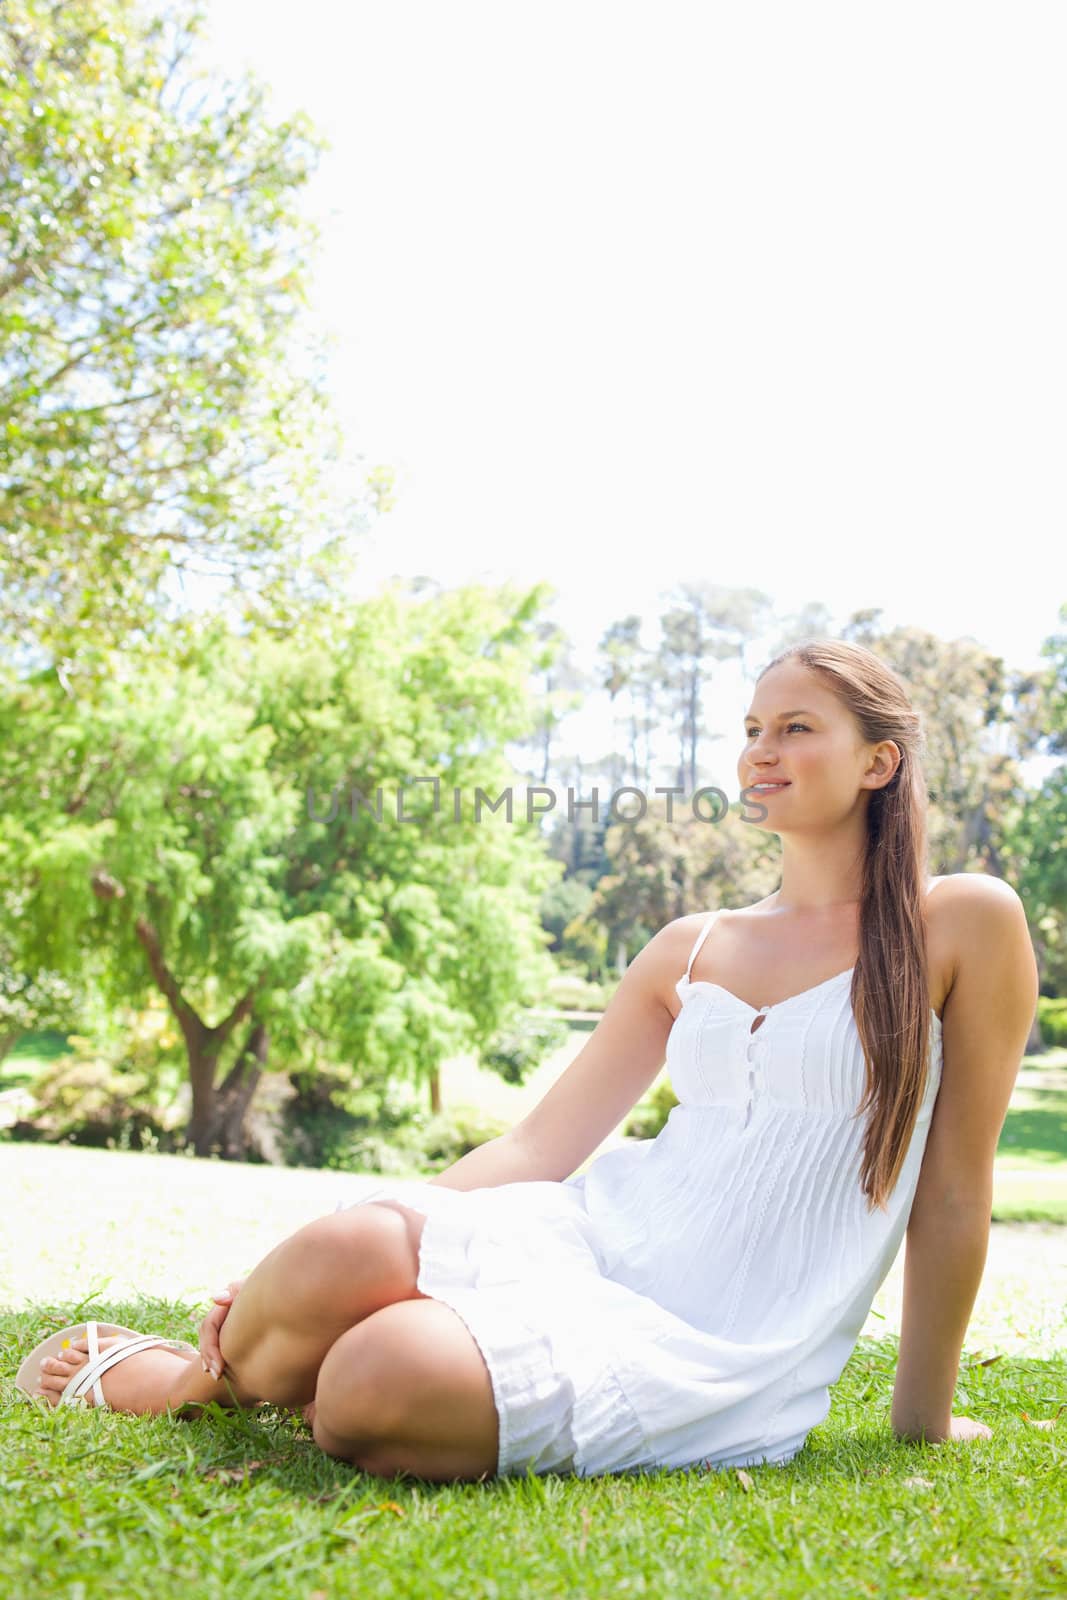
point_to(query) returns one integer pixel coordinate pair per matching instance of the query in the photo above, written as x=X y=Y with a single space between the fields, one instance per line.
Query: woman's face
x=796 y=730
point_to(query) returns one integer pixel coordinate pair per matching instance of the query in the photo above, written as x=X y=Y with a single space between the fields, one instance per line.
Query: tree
x=960 y=689
x=167 y=824
x=670 y=863
x=706 y=623
x=558 y=689
x=624 y=667
x=1034 y=826
x=157 y=422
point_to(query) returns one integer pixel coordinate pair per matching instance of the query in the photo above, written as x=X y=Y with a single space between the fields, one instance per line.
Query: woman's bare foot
x=140 y=1384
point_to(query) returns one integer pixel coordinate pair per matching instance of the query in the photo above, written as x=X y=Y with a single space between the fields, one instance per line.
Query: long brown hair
x=890 y=992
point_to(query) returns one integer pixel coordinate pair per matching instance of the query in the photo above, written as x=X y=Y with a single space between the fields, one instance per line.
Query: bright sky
x=765 y=295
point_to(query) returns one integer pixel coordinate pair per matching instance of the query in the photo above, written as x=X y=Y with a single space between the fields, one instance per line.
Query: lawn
x=245 y=1504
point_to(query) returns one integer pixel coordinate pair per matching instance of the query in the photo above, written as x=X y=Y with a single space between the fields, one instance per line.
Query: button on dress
x=688 y=1300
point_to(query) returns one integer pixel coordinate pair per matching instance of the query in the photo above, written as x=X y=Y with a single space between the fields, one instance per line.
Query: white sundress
x=688 y=1300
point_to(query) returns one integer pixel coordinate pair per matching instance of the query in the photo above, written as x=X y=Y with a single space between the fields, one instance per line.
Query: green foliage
x=586 y=940
x=333 y=1139
x=333 y=1122
x=159 y=833
x=32 y=1002
x=569 y=991
x=1052 y=1020
x=116 y=1093
x=1035 y=825
x=328 y=1124
x=521 y=1048
x=563 y=904
x=454 y=1132
x=158 y=410
x=650 y=1114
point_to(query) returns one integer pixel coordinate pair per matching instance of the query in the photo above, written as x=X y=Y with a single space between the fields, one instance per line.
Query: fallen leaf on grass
x=238 y=1474
x=347 y=1530
x=746 y=1481
x=921 y=1483
x=372 y=1511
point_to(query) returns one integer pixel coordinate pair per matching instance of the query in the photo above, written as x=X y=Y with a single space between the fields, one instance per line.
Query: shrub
x=111 y=1093
x=330 y=1122
x=650 y=1114
x=1052 y=1019
x=571 y=992
x=456 y=1131
x=520 y=1049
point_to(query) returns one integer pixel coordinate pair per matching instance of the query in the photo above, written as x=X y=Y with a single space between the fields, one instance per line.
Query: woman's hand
x=210 y=1353
x=967 y=1428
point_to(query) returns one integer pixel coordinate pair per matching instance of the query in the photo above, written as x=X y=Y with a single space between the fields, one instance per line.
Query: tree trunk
x=8 y=1041
x=203 y=1045
x=203 y=1055
x=435 y=1091
x=235 y=1095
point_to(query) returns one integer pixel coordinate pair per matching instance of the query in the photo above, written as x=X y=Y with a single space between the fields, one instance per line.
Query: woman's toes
x=57 y=1371
x=66 y=1361
x=139 y=1383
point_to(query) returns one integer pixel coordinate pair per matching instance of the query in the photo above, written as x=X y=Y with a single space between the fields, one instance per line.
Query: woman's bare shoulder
x=960 y=897
x=959 y=894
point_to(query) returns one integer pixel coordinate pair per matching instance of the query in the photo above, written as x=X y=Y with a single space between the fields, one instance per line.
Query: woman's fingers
x=210 y=1351
x=210 y=1354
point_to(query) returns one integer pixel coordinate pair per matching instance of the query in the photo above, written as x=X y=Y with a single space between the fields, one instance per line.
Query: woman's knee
x=355 y=1409
x=360 y=1454
x=364 y=1254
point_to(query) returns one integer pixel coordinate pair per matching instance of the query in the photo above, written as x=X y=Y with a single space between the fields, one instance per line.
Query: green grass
x=1035 y=1130
x=43 y=1046
x=244 y=1503
x=1018 y=1197
x=28 y=1055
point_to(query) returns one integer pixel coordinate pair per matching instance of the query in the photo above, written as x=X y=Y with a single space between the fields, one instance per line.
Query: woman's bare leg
x=311 y=1289
x=293 y=1308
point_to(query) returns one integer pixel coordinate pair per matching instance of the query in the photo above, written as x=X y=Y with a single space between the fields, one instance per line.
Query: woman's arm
x=986 y=1022
x=943 y=1266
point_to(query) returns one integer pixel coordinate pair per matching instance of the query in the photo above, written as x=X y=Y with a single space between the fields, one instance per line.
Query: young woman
x=843 y=1052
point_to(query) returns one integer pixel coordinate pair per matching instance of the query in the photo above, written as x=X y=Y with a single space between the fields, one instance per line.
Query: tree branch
x=191 y=1025
x=222 y=1030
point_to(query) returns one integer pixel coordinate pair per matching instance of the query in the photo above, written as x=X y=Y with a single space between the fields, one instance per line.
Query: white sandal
x=28 y=1378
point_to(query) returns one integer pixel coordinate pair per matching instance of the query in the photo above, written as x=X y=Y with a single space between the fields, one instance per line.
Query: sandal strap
x=94 y=1355
x=101 y=1362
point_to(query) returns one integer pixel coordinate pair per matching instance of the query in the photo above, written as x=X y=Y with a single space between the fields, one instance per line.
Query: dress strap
x=705 y=930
